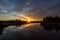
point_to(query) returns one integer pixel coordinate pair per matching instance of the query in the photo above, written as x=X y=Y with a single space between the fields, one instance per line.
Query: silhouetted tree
x=51 y=23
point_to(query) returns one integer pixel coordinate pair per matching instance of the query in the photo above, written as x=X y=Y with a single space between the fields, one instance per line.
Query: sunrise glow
x=29 y=20
x=25 y=18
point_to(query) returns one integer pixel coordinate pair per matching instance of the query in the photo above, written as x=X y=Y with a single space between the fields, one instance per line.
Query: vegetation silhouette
x=4 y=24
x=50 y=23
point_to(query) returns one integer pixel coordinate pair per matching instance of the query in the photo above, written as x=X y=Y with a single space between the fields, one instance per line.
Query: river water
x=29 y=32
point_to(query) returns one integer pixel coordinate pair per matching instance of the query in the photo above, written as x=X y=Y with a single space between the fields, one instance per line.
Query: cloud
x=33 y=8
x=4 y=11
x=42 y=7
x=8 y=5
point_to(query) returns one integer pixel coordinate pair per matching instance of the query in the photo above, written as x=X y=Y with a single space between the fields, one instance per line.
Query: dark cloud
x=43 y=7
x=38 y=8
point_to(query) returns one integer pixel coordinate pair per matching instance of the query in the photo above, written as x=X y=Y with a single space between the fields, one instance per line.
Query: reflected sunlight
x=26 y=25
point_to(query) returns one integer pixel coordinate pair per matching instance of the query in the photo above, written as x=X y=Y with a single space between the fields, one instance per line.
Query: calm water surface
x=28 y=32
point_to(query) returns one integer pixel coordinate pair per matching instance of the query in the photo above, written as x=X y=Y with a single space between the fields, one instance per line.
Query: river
x=29 y=32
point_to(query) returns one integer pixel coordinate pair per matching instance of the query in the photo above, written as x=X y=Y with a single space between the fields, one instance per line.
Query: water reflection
x=19 y=28
x=29 y=25
x=26 y=25
x=29 y=32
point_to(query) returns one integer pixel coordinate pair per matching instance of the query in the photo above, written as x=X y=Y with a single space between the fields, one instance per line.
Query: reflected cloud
x=25 y=26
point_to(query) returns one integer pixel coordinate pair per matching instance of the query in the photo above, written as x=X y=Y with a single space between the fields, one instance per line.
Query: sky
x=33 y=9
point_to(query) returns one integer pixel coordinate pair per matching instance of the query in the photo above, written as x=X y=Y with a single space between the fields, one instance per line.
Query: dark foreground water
x=29 y=32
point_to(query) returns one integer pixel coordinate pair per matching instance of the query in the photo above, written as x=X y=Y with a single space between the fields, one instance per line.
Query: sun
x=29 y=20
